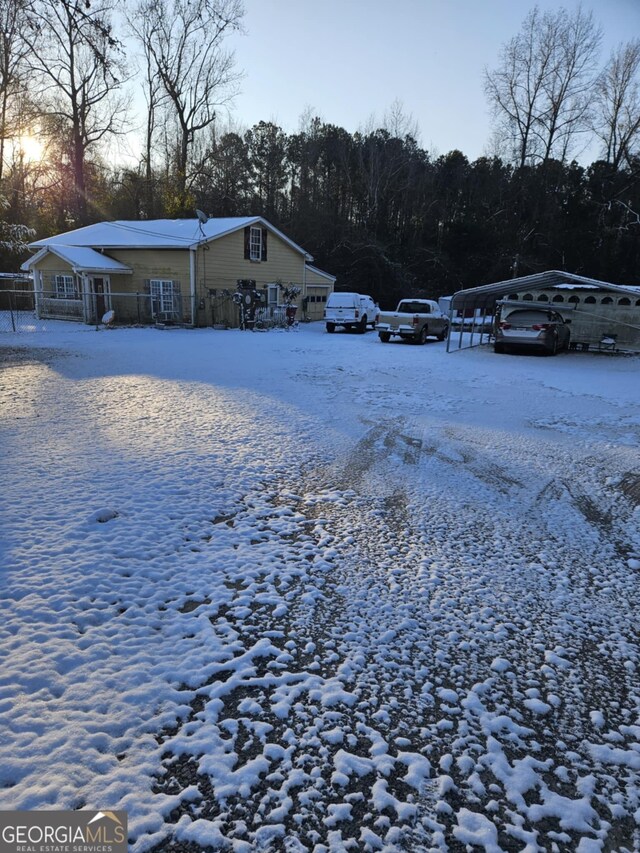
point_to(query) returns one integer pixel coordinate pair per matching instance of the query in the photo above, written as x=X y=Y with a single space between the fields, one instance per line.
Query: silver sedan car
x=540 y=329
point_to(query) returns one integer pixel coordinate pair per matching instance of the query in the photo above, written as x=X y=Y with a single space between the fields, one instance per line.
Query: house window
x=624 y=301
x=255 y=244
x=273 y=292
x=606 y=301
x=543 y=297
x=558 y=298
x=575 y=299
x=528 y=297
x=163 y=296
x=590 y=300
x=65 y=287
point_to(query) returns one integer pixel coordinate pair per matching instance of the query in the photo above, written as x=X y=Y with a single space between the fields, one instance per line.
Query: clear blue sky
x=349 y=59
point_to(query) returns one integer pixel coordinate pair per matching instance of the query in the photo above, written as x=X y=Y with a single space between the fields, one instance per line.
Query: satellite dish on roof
x=202 y=217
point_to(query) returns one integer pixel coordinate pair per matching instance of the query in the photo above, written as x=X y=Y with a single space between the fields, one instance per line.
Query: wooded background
x=376 y=209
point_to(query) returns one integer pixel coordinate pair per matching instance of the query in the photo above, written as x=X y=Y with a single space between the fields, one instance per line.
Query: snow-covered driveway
x=308 y=592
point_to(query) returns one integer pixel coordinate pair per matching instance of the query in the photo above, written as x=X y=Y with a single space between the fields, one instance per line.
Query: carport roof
x=486 y=295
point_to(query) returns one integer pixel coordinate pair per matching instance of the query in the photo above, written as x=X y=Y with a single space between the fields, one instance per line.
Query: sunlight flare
x=32 y=147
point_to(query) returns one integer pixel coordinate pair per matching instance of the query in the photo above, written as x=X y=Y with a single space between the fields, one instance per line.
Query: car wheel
x=331 y=327
x=553 y=349
x=499 y=348
x=385 y=337
x=422 y=336
x=362 y=327
x=443 y=334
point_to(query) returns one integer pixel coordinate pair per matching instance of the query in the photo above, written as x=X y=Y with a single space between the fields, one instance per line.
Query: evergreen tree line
x=384 y=215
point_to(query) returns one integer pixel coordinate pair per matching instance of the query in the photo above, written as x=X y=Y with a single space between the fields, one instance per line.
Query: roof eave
x=76 y=268
x=247 y=223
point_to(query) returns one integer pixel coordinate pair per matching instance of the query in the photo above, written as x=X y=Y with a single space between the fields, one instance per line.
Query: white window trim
x=65 y=286
x=274 y=303
x=163 y=292
x=255 y=244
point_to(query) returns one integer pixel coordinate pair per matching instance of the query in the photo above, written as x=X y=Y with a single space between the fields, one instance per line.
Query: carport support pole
x=473 y=327
x=461 y=309
x=192 y=283
x=484 y=320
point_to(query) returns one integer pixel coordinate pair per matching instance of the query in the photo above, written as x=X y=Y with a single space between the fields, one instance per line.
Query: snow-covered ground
x=308 y=592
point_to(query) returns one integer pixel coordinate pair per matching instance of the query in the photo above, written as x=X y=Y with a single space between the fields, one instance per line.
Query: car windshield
x=529 y=318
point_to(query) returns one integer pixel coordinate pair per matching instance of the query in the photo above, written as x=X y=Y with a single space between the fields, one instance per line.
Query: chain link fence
x=22 y=310
x=25 y=311
x=18 y=312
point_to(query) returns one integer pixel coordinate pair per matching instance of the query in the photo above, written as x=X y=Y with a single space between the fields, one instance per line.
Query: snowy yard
x=293 y=591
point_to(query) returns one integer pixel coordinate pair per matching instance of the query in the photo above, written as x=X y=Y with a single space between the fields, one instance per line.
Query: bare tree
x=13 y=52
x=539 y=93
x=142 y=26
x=399 y=123
x=617 y=104
x=76 y=62
x=184 y=42
x=569 y=88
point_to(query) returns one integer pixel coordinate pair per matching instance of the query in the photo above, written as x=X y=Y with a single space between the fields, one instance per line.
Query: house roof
x=80 y=259
x=486 y=295
x=159 y=234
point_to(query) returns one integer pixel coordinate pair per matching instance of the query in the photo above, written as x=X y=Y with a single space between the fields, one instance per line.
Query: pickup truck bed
x=414 y=320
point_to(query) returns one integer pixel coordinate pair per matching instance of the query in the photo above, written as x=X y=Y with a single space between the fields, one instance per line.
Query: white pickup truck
x=413 y=320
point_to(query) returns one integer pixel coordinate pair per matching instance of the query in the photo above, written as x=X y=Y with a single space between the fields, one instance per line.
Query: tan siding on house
x=53 y=264
x=315 y=278
x=169 y=264
x=172 y=264
x=222 y=264
x=225 y=263
x=50 y=266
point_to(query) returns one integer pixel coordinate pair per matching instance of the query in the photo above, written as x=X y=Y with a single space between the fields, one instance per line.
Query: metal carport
x=482 y=300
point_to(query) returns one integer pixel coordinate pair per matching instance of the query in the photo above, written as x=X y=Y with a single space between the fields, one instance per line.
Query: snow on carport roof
x=486 y=295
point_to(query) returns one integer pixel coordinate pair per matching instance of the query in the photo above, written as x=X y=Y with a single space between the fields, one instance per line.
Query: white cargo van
x=351 y=310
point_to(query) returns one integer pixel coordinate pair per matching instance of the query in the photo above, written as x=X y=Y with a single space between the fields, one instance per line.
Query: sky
x=349 y=60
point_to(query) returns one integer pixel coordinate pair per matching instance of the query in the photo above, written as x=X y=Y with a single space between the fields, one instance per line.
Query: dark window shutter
x=176 y=286
x=247 y=243
x=264 y=245
x=147 y=285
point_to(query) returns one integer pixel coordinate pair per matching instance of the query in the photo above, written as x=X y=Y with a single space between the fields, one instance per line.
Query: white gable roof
x=158 y=234
x=80 y=259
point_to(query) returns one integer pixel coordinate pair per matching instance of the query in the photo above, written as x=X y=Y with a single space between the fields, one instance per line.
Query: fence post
x=13 y=319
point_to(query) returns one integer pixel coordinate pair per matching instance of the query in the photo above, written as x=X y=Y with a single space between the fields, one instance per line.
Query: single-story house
x=598 y=310
x=172 y=271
